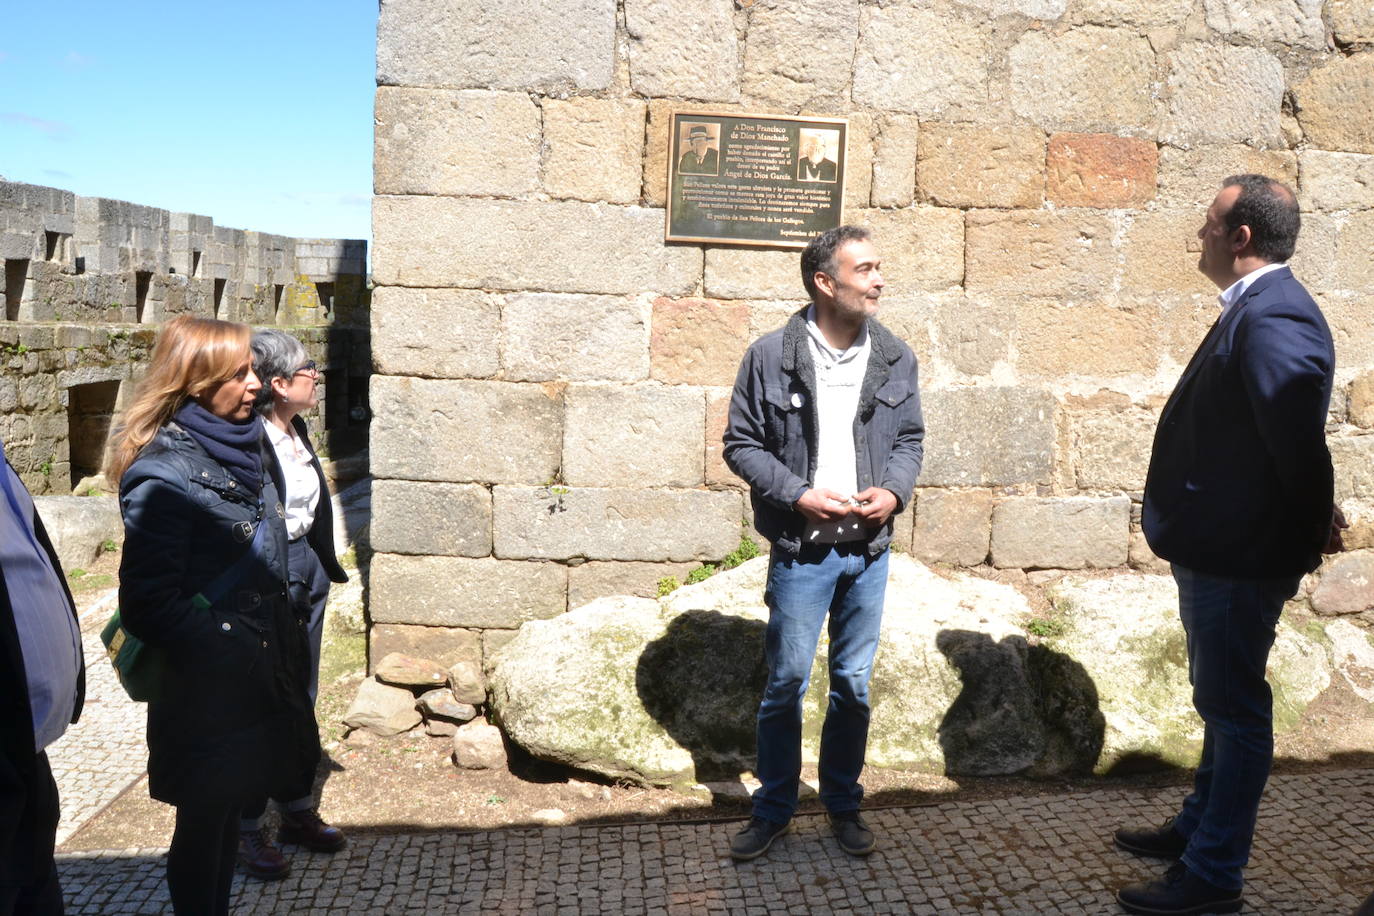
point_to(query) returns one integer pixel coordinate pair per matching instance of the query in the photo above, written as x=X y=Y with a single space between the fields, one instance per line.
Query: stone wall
x=551 y=377
x=86 y=282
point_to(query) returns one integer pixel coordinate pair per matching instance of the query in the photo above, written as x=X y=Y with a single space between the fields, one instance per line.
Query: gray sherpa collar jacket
x=770 y=437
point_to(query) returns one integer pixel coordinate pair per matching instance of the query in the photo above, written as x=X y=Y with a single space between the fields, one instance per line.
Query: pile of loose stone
x=405 y=692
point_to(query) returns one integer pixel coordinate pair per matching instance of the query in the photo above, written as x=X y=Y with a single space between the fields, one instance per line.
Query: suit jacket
x=1240 y=479
x=710 y=163
x=825 y=170
x=18 y=755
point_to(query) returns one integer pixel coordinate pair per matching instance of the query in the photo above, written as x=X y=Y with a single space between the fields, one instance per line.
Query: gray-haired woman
x=288 y=388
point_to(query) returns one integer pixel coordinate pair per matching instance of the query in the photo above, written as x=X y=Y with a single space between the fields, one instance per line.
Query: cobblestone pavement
x=1028 y=855
x=104 y=753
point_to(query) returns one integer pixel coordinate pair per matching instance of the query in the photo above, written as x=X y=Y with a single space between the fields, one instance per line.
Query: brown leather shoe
x=259 y=857
x=308 y=829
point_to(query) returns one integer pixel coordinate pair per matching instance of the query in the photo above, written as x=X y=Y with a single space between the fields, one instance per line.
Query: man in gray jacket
x=825 y=426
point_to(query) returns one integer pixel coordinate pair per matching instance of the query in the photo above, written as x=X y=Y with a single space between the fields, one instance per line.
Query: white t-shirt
x=839 y=379
x=302 y=483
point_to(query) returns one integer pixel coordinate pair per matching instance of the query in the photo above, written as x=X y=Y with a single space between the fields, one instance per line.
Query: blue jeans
x=841 y=580
x=1230 y=628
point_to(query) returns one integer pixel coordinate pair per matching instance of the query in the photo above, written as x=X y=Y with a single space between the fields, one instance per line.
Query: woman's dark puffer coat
x=235 y=715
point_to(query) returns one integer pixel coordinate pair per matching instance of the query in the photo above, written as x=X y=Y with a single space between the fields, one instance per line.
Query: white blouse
x=302 y=483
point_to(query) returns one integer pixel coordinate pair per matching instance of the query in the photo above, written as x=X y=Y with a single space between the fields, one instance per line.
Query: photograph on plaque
x=754 y=179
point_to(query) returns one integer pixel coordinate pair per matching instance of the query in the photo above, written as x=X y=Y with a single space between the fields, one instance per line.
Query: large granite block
x=952 y=526
x=443 y=519
x=1086 y=79
x=1061 y=532
x=683 y=48
x=573 y=337
x=463 y=592
x=1221 y=93
x=616 y=523
x=633 y=436
x=527 y=245
x=593 y=148
x=987 y=437
x=920 y=60
x=436 y=333
x=522 y=45
x=455 y=142
x=465 y=431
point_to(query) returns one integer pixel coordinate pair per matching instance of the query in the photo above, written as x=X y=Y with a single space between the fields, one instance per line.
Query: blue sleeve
x=904 y=461
x=153 y=561
x=1286 y=365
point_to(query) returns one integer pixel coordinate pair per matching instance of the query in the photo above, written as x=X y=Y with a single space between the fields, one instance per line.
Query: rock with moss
x=968 y=679
x=665 y=692
x=1125 y=632
x=80 y=526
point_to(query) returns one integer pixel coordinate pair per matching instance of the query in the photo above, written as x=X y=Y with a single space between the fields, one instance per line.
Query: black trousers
x=200 y=862
x=29 y=852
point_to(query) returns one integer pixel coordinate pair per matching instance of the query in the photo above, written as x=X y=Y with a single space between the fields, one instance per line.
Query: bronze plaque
x=753 y=179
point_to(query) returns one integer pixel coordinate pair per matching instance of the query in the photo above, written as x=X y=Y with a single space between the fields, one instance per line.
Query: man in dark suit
x=701 y=159
x=42 y=683
x=1239 y=500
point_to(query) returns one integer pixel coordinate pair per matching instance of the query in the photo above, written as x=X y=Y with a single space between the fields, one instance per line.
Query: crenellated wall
x=86 y=282
x=552 y=377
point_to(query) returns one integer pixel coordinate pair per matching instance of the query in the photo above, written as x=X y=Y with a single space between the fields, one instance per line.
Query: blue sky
x=258 y=114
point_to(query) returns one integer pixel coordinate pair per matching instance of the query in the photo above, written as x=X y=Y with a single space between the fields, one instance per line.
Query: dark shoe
x=1163 y=842
x=259 y=857
x=1178 y=893
x=308 y=829
x=754 y=840
x=852 y=833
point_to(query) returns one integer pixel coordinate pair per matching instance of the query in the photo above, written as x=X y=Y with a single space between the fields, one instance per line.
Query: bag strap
x=226 y=580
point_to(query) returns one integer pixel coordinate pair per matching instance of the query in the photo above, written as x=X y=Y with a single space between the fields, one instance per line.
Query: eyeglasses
x=308 y=369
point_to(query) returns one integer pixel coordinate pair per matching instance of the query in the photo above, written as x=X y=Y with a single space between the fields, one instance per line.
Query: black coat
x=235 y=714
x=825 y=170
x=1240 y=480
x=18 y=754
x=710 y=163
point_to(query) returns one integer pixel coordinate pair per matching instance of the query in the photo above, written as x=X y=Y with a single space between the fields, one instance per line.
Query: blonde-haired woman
x=203 y=577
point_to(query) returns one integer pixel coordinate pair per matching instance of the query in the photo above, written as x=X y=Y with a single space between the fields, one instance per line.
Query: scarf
x=233 y=445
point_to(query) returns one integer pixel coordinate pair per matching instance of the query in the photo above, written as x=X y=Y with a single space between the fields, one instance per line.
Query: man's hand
x=1334 y=542
x=876 y=505
x=822 y=505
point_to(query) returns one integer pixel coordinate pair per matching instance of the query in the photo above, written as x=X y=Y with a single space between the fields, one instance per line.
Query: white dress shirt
x=1233 y=292
x=302 y=483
